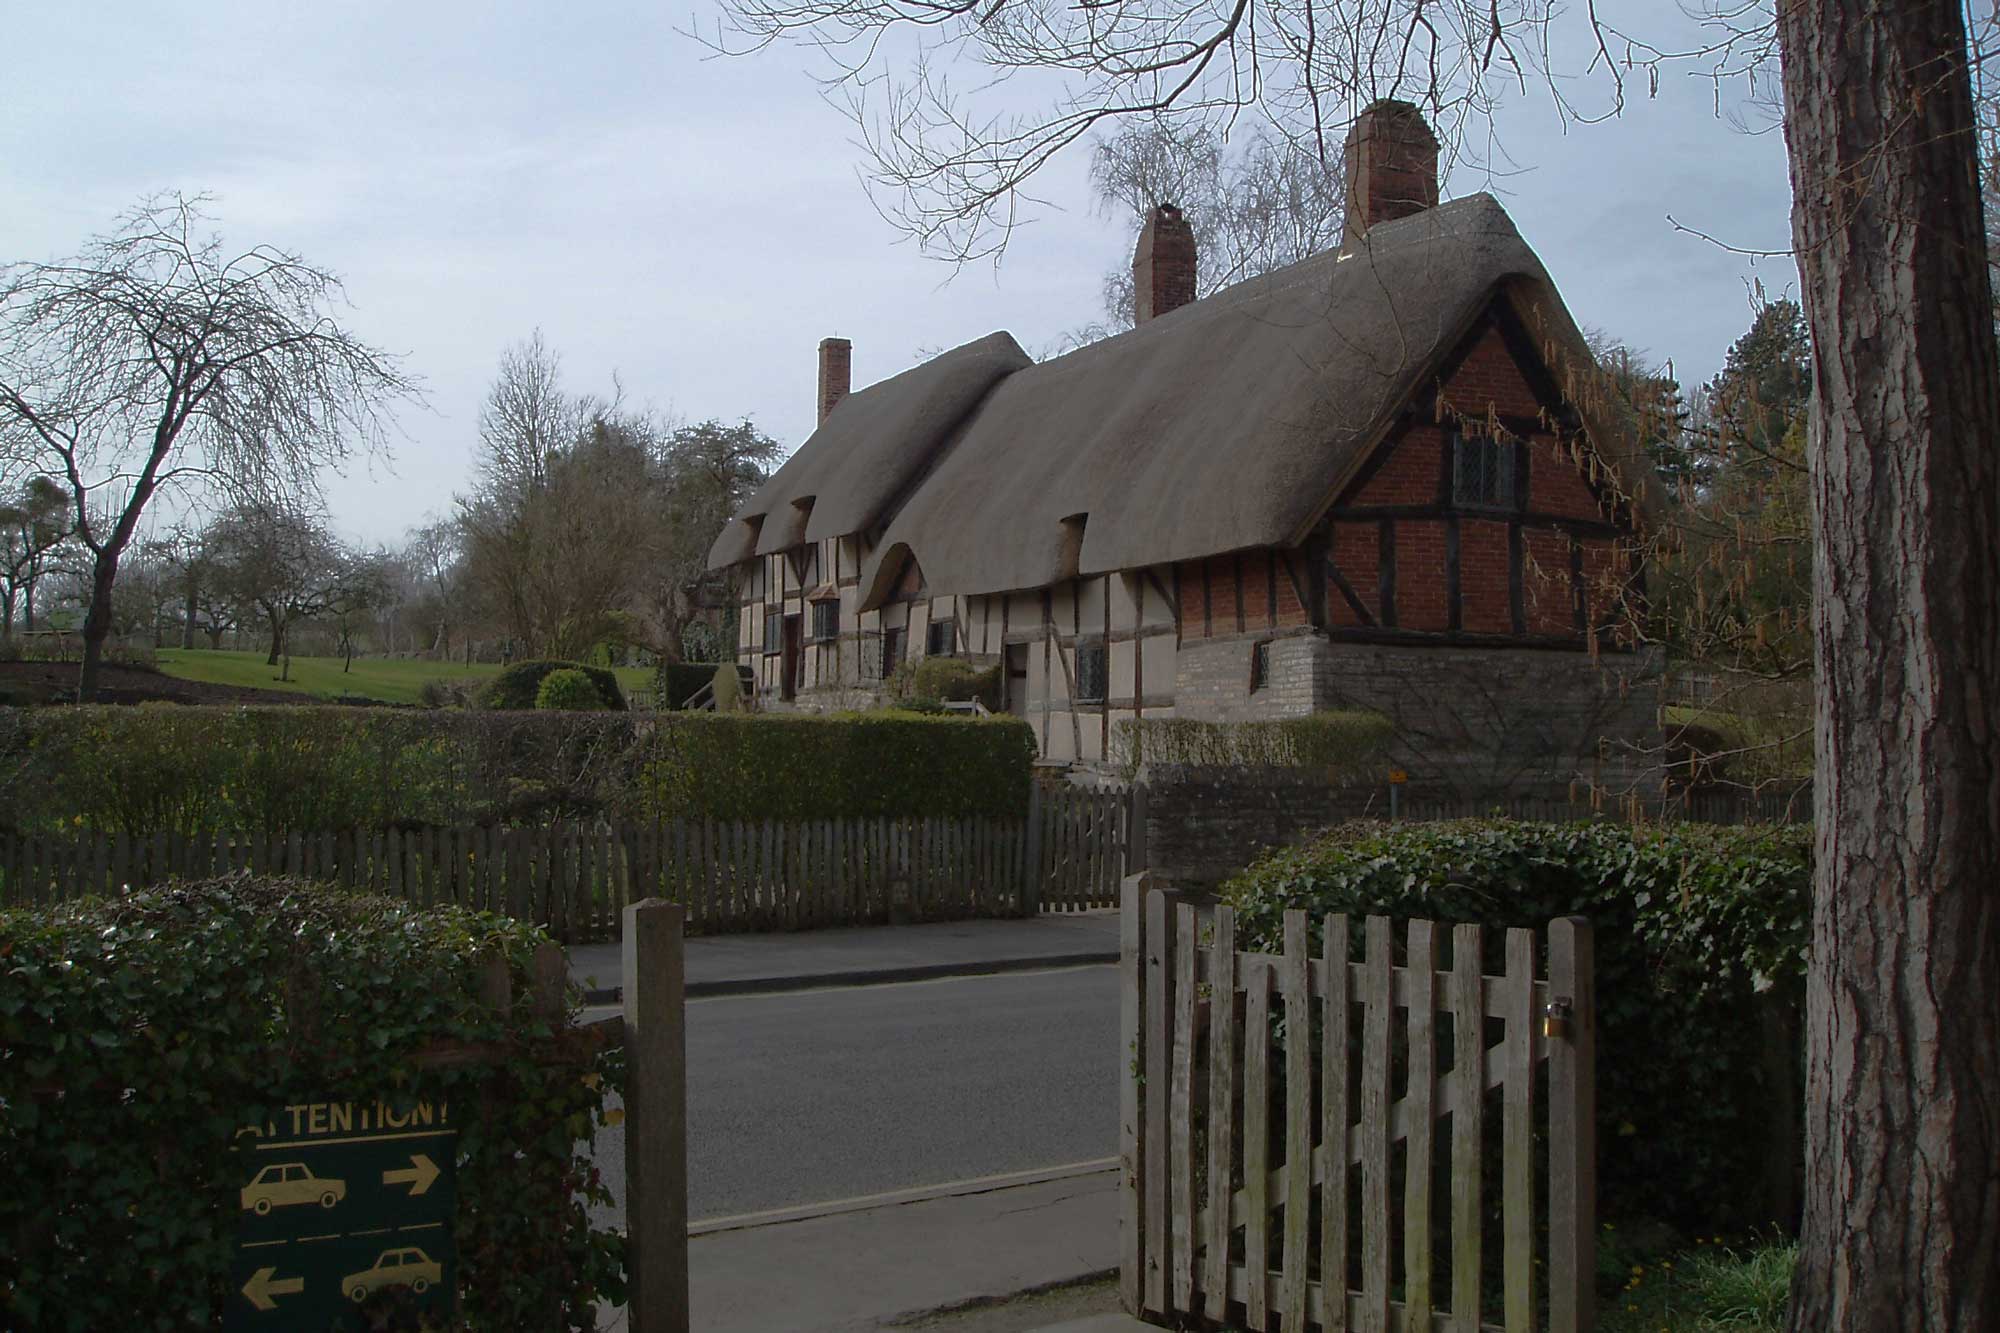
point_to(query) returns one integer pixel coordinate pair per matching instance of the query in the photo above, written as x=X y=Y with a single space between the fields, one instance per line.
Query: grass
x=389 y=680
x=1711 y=1288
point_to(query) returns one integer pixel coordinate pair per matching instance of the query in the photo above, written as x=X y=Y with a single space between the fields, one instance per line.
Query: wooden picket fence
x=578 y=879
x=1081 y=839
x=1285 y=1165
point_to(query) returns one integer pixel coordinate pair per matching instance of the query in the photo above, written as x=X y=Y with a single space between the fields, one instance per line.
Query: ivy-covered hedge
x=1695 y=925
x=1351 y=744
x=163 y=767
x=142 y=1033
x=517 y=686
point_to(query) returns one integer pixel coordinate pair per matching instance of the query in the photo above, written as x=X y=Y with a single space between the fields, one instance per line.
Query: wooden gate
x=1309 y=1140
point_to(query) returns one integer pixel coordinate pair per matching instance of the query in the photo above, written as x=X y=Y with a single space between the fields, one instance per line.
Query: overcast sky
x=696 y=225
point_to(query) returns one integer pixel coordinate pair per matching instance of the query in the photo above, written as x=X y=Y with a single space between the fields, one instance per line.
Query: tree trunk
x=96 y=624
x=277 y=636
x=187 y=619
x=1902 y=1207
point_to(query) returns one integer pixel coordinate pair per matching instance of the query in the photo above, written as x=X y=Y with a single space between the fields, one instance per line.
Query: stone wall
x=1205 y=824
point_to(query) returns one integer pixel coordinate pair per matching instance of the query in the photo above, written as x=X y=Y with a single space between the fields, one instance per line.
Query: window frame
x=1500 y=470
x=828 y=634
x=1098 y=651
x=893 y=639
x=1260 y=665
x=949 y=624
x=774 y=643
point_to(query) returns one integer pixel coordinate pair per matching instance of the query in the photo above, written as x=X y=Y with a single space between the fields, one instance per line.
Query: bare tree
x=156 y=358
x=1255 y=204
x=1902 y=1215
x=432 y=555
x=282 y=563
x=564 y=518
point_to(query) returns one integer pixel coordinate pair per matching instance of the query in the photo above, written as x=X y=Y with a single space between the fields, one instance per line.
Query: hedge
x=517 y=686
x=674 y=683
x=143 y=1033
x=169 y=768
x=1695 y=926
x=1351 y=744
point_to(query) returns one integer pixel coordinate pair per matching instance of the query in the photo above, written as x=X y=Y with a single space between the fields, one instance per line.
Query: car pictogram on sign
x=283 y=1184
x=409 y=1267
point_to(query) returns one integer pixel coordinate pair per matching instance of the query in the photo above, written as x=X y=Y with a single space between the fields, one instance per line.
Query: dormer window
x=1485 y=472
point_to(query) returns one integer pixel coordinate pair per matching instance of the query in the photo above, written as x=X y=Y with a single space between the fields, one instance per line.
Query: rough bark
x=1902 y=1208
x=96 y=623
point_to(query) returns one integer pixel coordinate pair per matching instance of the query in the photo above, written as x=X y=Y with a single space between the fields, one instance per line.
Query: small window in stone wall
x=1093 y=673
x=942 y=640
x=1260 y=666
x=826 y=620
x=774 y=631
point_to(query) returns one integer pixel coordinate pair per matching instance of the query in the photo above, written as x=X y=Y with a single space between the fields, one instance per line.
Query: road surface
x=811 y=1096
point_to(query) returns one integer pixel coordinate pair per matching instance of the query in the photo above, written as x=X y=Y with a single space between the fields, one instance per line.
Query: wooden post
x=1572 y=1127
x=655 y=1118
x=1161 y=921
x=1132 y=1062
x=1031 y=878
x=1136 y=850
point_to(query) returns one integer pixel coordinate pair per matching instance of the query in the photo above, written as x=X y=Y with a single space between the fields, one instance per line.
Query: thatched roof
x=871 y=448
x=1232 y=422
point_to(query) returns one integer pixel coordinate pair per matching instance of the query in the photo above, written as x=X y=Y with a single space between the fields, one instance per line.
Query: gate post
x=1031 y=870
x=1137 y=811
x=1132 y=1072
x=655 y=1119
x=1572 y=1047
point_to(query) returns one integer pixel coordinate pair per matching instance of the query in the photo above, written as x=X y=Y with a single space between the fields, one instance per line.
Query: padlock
x=1555 y=1019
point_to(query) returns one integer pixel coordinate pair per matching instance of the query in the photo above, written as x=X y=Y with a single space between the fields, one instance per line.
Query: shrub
x=444 y=692
x=568 y=688
x=923 y=685
x=160 y=768
x=1352 y=744
x=517 y=686
x=226 y=1001
x=1693 y=923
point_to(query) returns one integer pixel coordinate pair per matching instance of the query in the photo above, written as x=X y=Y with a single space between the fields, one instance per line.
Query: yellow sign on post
x=345 y=1203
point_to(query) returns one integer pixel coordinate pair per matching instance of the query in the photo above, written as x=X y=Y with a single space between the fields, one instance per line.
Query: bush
x=516 y=687
x=1693 y=924
x=160 y=768
x=924 y=684
x=444 y=692
x=728 y=691
x=569 y=689
x=227 y=1001
x=674 y=683
x=1352 y=744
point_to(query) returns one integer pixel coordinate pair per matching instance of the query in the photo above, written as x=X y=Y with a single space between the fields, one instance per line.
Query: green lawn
x=391 y=680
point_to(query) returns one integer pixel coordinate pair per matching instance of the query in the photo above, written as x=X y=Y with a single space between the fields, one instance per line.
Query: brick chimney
x=836 y=363
x=1392 y=167
x=1163 y=265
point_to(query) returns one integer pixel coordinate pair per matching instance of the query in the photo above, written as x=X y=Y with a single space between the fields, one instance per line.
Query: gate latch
x=1555 y=1019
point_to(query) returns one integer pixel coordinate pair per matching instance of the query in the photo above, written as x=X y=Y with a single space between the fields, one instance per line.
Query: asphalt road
x=811 y=1096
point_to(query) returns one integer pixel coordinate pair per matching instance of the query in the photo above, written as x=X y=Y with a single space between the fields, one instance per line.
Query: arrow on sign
x=418 y=1175
x=265 y=1284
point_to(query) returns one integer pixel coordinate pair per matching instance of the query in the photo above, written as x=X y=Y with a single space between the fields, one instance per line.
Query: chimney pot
x=836 y=363
x=1163 y=265
x=1392 y=167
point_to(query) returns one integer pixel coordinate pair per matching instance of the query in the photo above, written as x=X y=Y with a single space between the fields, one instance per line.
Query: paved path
x=808 y=1096
x=726 y=964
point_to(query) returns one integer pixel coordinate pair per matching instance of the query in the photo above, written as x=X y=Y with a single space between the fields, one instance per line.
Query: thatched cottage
x=1373 y=478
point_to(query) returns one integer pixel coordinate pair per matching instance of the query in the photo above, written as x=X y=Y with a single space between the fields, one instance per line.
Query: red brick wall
x=1409 y=475
x=1291 y=611
x=1545 y=583
x=1357 y=553
x=1488 y=380
x=1421 y=601
x=1483 y=568
x=1556 y=484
